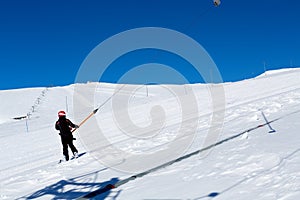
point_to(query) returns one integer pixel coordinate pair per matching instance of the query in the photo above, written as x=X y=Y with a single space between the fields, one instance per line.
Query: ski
x=72 y=158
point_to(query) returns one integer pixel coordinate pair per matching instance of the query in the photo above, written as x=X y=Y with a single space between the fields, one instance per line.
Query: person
x=65 y=126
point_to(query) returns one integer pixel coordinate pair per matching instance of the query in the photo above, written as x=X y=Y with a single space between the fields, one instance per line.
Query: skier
x=65 y=126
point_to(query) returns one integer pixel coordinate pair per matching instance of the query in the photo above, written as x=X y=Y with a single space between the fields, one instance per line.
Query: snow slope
x=255 y=165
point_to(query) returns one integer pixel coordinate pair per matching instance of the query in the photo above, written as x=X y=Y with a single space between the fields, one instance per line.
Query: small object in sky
x=217 y=2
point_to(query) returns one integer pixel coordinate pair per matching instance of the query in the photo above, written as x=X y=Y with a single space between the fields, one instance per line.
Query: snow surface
x=256 y=165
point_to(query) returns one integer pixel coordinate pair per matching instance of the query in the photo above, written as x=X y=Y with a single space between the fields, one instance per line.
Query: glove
x=76 y=126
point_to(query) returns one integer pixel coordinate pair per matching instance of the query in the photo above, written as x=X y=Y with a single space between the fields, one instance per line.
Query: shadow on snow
x=76 y=187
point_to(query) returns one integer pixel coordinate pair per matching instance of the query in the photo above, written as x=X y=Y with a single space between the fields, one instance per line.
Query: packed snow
x=255 y=165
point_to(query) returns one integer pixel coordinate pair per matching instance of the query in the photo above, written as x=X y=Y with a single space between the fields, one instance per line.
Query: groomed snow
x=256 y=165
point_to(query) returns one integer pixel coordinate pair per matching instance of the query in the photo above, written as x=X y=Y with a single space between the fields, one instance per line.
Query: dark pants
x=68 y=141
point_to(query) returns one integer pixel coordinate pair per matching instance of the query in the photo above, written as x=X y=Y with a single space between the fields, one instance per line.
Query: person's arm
x=57 y=126
x=72 y=124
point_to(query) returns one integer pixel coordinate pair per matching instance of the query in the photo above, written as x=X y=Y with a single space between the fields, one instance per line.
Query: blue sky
x=44 y=43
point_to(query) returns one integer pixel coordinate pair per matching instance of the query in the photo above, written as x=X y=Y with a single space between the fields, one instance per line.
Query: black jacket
x=65 y=126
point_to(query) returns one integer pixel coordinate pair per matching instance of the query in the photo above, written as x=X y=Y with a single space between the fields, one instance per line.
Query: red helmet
x=61 y=113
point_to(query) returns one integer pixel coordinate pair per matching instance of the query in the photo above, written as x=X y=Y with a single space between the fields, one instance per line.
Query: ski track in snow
x=255 y=166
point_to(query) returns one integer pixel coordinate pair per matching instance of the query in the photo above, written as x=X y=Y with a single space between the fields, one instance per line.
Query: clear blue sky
x=43 y=43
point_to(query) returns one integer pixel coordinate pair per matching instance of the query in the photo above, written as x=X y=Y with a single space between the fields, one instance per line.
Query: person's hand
x=76 y=126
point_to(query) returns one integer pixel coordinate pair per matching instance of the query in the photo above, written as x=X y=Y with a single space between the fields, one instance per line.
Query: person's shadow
x=75 y=188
